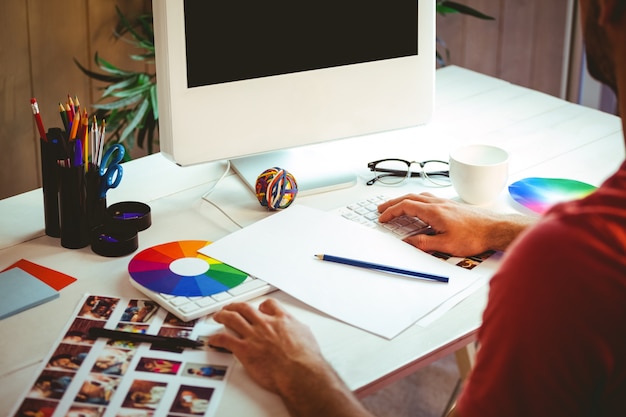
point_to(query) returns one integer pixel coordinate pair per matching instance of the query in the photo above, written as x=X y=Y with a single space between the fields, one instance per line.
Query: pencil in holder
x=96 y=203
x=50 y=153
x=73 y=207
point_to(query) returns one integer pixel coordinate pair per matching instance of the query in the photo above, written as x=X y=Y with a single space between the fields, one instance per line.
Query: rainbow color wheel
x=177 y=268
x=539 y=194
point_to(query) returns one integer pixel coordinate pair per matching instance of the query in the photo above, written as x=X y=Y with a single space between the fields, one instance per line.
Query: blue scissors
x=110 y=169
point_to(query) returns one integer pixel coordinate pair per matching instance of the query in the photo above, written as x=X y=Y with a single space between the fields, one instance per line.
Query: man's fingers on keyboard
x=422 y=198
x=393 y=201
x=405 y=208
x=428 y=243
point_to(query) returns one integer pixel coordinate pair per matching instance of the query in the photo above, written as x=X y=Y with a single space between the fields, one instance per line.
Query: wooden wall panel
x=549 y=46
x=482 y=39
x=18 y=147
x=58 y=33
x=451 y=38
x=524 y=45
x=39 y=40
x=516 y=55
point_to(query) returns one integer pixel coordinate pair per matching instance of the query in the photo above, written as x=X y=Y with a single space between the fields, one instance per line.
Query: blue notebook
x=20 y=291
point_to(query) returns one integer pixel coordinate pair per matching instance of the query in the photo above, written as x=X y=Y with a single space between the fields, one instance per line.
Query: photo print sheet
x=113 y=378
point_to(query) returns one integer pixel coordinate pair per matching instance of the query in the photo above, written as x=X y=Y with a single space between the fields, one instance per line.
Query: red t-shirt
x=553 y=339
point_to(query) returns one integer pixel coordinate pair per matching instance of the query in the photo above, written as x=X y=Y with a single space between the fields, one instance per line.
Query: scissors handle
x=110 y=179
x=110 y=169
x=112 y=157
x=117 y=172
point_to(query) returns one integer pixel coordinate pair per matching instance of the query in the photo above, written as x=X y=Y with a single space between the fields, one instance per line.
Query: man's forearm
x=322 y=393
x=506 y=228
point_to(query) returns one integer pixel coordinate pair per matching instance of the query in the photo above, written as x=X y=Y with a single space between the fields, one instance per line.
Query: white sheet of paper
x=281 y=249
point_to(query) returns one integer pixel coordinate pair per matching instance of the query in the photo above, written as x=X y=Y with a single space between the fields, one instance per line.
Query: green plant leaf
x=110 y=68
x=124 y=25
x=118 y=103
x=137 y=118
x=154 y=102
x=144 y=57
x=119 y=86
x=137 y=90
x=445 y=10
x=144 y=22
x=454 y=7
x=95 y=75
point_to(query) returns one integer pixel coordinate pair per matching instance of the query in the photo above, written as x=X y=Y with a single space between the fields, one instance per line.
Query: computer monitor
x=258 y=82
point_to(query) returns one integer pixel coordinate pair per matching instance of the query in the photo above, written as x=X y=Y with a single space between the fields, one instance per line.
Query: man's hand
x=282 y=355
x=272 y=345
x=460 y=229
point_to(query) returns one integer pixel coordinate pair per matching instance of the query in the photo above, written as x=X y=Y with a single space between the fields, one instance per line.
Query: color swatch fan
x=177 y=268
x=539 y=194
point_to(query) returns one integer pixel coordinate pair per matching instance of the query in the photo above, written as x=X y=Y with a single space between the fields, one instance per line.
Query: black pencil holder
x=73 y=207
x=96 y=203
x=50 y=153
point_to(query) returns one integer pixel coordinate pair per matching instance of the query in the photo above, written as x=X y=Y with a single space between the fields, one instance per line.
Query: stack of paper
x=281 y=250
x=20 y=291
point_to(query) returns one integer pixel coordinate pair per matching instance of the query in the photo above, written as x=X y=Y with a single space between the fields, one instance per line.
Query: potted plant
x=129 y=100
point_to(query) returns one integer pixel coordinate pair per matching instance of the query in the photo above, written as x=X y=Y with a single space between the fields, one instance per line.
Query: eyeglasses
x=395 y=171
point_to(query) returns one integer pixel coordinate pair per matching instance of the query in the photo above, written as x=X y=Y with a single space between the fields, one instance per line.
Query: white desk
x=546 y=137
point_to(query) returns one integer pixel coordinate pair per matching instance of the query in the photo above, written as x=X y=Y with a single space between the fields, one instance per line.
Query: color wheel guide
x=539 y=194
x=177 y=268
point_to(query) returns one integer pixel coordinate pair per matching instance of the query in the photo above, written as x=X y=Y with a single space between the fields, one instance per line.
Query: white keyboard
x=366 y=213
x=190 y=308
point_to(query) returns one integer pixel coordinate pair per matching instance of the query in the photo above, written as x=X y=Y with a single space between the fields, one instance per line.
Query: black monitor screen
x=231 y=40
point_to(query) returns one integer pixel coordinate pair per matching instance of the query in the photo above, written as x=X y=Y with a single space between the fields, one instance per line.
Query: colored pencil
x=379 y=267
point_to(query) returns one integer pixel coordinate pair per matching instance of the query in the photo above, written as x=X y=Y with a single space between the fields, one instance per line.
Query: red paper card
x=55 y=279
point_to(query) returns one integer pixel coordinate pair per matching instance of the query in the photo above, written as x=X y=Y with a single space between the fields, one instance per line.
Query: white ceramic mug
x=479 y=172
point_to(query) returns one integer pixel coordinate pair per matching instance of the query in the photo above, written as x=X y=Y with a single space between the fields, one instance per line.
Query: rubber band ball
x=276 y=188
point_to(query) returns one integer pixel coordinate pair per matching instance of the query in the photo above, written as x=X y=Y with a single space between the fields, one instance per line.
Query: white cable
x=205 y=196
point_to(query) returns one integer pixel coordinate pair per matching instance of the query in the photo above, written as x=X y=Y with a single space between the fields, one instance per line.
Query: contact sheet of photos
x=107 y=378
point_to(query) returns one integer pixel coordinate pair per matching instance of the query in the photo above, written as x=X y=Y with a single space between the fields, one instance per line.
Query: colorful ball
x=276 y=188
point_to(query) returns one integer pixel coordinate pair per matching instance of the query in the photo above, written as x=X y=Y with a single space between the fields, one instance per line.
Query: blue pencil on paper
x=379 y=267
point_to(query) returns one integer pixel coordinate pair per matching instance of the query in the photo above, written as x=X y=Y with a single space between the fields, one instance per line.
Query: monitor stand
x=311 y=167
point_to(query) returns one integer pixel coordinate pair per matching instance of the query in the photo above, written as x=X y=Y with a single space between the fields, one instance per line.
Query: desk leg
x=464 y=361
